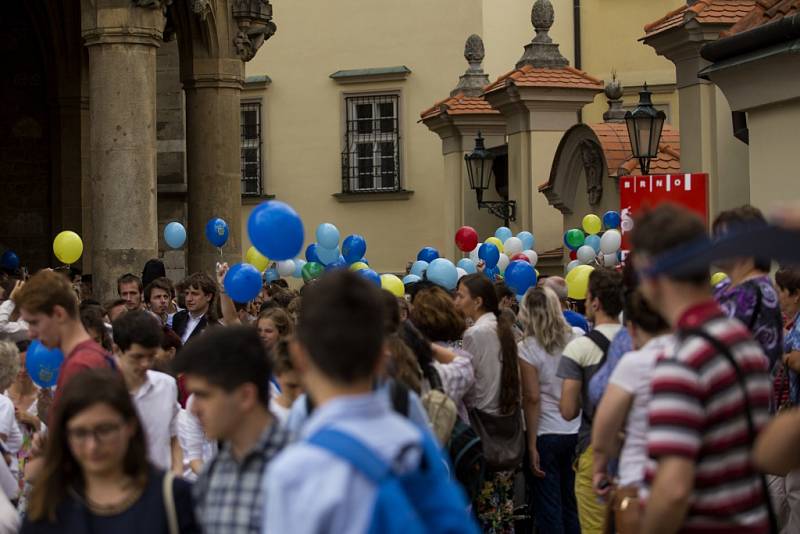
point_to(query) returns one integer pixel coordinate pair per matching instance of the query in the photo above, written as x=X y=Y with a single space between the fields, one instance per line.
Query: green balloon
x=312 y=270
x=575 y=238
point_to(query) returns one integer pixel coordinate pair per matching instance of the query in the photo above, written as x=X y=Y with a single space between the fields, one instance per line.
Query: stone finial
x=542 y=52
x=613 y=92
x=472 y=82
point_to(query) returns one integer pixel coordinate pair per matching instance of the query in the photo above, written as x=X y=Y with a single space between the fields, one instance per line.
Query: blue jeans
x=554 y=507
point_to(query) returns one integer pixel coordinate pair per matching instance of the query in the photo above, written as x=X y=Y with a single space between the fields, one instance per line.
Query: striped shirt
x=698 y=412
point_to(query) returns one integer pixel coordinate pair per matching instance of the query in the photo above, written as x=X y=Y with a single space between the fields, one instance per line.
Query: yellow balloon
x=256 y=259
x=496 y=242
x=592 y=224
x=393 y=285
x=578 y=281
x=68 y=247
x=716 y=278
x=359 y=266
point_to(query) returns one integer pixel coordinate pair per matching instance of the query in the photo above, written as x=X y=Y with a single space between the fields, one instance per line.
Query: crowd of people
x=659 y=404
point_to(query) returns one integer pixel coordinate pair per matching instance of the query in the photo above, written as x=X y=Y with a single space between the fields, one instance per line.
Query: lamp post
x=645 y=123
x=479 y=169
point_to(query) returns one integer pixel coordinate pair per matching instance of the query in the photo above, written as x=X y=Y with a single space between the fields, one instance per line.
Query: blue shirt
x=310 y=491
x=791 y=343
x=620 y=345
x=576 y=319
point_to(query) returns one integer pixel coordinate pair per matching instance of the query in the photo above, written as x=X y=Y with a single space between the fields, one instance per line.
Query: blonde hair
x=9 y=363
x=541 y=318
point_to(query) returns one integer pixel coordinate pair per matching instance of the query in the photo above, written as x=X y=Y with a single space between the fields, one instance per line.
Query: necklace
x=134 y=492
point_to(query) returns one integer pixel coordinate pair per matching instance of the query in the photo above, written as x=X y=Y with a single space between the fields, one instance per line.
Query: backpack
x=466 y=457
x=441 y=409
x=424 y=500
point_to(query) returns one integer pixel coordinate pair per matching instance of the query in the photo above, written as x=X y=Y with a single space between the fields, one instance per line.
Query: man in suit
x=199 y=292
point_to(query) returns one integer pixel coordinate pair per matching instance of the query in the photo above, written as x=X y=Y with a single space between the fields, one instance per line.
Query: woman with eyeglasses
x=95 y=476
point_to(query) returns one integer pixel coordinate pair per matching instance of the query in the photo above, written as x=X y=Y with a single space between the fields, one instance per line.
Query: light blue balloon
x=327 y=255
x=527 y=240
x=419 y=268
x=298 y=268
x=175 y=235
x=270 y=275
x=442 y=272
x=594 y=242
x=411 y=279
x=328 y=236
x=468 y=265
x=503 y=233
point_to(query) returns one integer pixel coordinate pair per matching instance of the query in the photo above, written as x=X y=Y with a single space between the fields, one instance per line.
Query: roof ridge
x=655 y=24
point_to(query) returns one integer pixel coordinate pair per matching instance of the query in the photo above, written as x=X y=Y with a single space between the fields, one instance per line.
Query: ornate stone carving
x=254 y=18
x=201 y=8
x=613 y=92
x=472 y=82
x=592 y=157
x=542 y=52
x=160 y=4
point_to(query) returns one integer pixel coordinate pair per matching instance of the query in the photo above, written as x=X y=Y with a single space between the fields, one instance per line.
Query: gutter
x=770 y=34
x=576 y=35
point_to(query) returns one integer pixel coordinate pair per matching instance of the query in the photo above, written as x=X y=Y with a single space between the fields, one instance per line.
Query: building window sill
x=402 y=194
x=379 y=74
x=251 y=200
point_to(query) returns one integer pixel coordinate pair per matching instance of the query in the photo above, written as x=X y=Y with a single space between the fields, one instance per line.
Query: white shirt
x=632 y=374
x=193 y=440
x=280 y=413
x=157 y=403
x=550 y=420
x=481 y=341
x=191 y=324
x=12 y=330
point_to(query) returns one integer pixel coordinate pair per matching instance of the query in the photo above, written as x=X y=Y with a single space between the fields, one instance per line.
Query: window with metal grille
x=371 y=159
x=251 y=148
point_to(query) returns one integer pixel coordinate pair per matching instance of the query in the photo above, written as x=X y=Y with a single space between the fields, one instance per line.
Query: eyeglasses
x=101 y=433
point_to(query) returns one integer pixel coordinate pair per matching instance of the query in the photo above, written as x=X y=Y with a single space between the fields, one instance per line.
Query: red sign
x=640 y=192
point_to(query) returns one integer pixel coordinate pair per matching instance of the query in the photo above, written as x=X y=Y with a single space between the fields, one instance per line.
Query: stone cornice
x=122 y=35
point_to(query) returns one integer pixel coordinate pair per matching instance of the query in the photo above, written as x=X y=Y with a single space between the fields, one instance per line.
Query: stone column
x=122 y=40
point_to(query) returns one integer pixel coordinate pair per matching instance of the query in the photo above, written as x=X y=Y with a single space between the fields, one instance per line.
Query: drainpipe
x=576 y=32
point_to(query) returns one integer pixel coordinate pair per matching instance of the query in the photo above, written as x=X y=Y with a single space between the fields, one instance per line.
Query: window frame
x=259 y=146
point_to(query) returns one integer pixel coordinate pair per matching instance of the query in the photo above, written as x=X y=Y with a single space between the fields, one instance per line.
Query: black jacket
x=181 y=320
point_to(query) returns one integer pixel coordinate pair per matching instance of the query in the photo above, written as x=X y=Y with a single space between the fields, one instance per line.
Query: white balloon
x=513 y=245
x=586 y=254
x=610 y=242
x=474 y=254
x=531 y=256
x=286 y=267
x=461 y=272
x=503 y=262
x=571 y=265
x=610 y=260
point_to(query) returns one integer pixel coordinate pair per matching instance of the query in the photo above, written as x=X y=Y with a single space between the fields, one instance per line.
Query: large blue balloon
x=468 y=265
x=428 y=254
x=43 y=364
x=492 y=272
x=353 y=248
x=217 y=231
x=594 y=242
x=527 y=240
x=520 y=276
x=175 y=235
x=503 y=233
x=411 y=279
x=276 y=230
x=442 y=272
x=328 y=235
x=371 y=275
x=311 y=253
x=327 y=255
x=490 y=254
x=9 y=260
x=612 y=219
x=419 y=267
x=243 y=282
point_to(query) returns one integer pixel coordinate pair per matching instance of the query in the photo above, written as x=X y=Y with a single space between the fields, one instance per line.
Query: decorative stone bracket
x=159 y=4
x=254 y=18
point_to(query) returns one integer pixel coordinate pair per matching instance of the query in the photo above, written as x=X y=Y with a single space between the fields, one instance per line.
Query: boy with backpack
x=358 y=467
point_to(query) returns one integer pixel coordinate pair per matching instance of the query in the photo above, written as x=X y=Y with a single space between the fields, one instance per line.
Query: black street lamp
x=645 y=123
x=479 y=169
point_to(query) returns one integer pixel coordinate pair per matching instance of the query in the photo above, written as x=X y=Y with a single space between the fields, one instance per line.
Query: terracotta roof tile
x=704 y=12
x=765 y=11
x=616 y=145
x=460 y=104
x=527 y=76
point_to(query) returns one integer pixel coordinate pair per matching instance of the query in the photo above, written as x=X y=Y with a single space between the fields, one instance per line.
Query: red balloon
x=573 y=255
x=466 y=239
x=520 y=256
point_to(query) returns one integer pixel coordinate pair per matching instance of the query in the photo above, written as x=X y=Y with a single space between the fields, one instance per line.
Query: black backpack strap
x=398 y=393
x=602 y=342
x=751 y=427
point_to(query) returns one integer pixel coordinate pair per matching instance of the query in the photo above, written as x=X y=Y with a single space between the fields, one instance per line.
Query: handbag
x=502 y=438
x=624 y=510
x=169 y=503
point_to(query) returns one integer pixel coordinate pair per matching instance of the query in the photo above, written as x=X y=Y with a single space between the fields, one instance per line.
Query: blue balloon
x=311 y=254
x=327 y=235
x=527 y=239
x=276 y=230
x=427 y=254
x=270 y=275
x=43 y=364
x=490 y=254
x=175 y=235
x=492 y=272
x=612 y=219
x=411 y=279
x=594 y=242
x=298 y=268
x=339 y=263
x=442 y=272
x=468 y=265
x=9 y=260
x=371 y=275
x=503 y=233
x=520 y=276
x=243 y=282
x=353 y=248
x=327 y=255
x=419 y=267
x=217 y=231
